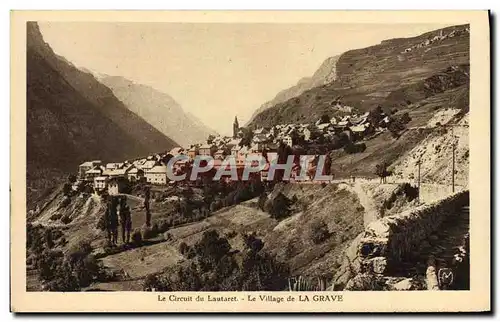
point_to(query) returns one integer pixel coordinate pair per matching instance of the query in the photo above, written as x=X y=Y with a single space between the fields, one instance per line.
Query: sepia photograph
x=297 y=157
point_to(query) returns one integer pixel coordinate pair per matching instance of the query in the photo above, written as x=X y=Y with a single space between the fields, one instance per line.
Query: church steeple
x=236 y=127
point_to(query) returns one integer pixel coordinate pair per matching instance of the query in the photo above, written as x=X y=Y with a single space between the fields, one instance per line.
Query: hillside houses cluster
x=113 y=177
x=437 y=38
x=264 y=142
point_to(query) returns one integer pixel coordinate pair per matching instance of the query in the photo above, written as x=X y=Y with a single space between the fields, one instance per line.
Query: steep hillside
x=325 y=74
x=290 y=240
x=159 y=110
x=436 y=156
x=394 y=73
x=71 y=117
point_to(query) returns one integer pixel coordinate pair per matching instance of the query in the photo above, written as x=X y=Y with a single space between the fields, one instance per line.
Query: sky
x=215 y=71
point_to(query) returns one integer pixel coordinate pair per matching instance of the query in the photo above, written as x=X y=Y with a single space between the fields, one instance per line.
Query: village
x=325 y=135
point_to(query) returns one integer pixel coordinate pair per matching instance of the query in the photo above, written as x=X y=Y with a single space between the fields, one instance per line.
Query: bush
x=354 y=148
x=253 y=243
x=183 y=248
x=101 y=223
x=65 y=202
x=137 y=237
x=319 y=232
x=66 y=219
x=154 y=229
x=67 y=189
x=71 y=178
x=147 y=232
x=163 y=225
x=231 y=234
x=56 y=216
x=157 y=283
x=279 y=207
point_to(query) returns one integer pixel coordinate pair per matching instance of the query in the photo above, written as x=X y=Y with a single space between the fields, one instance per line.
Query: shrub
x=137 y=237
x=183 y=248
x=56 y=216
x=67 y=189
x=253 y=243
x=318 y=232
x=65 y=202
x=154 y=229
x=101 y=223
x=354 y=148
x=157 y=283
x=147 y=232
x=231 y=234
x=279 y=207
x=163 y=225
x=66 y=219
x=49 y=238
x=71 y=178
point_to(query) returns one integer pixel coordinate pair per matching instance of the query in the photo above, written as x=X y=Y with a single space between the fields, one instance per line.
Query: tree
x=71 y=178
x=183 y=248
x=376 y=115
x=247 y=136
x=164 y=160
x=262 y=201
x=67 y=189
x=280 y=207
x=324 y=119
x=210 y=139
x=405 y=118
x=395 y=127
x=381 y=171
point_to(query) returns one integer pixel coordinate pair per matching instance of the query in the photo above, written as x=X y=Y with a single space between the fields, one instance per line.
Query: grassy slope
x=366 y=77
x=339 y=208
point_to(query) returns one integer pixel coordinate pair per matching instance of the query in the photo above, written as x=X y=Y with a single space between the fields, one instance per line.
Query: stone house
x=157 y=175
x=117 y=185
x=86 y=166
x=207 y=149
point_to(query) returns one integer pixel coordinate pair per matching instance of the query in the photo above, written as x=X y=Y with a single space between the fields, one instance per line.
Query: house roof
x=149 y=164
x=260 y=131
x=94 y=170
x=100 y=178
x=358 y=128
x=260 y=138
x=207 y=146
x=158 y=169
x=117 y=172
x=87 y=164
x=176 y=150
x=112 y=165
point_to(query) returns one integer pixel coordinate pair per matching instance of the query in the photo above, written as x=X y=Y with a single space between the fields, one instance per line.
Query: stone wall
x=390 y=240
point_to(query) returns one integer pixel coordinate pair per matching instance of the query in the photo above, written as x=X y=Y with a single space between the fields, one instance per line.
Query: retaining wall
x=391 y=239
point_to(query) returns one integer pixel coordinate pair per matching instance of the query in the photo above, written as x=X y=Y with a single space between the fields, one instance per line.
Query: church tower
x=236 y=127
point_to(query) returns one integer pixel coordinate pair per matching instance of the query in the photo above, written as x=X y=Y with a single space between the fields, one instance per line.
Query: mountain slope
x=325 y=74
x=71 y=118
x=367 y=77
x=158 y=109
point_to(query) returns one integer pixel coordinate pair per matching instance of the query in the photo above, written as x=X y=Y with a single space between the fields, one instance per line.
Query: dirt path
x=371 y=212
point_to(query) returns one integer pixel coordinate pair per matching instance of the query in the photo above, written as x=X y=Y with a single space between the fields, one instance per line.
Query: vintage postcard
x=231 y=161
